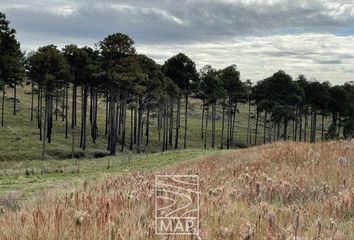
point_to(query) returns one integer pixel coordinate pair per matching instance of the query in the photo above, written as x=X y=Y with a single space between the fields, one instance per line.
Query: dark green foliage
x=181 y=69
x=46 y=66
x=348 y=130
x=211 y=86
x=338 y=104
x=278 y=94
x=11 y=58
x=318 y=95
x=120 y=69
x=230 y=78
x=150 y=80
x=331 y=133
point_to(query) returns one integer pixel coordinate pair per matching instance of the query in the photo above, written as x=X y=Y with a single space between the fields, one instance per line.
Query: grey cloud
x=182 y=21
x=336 y=61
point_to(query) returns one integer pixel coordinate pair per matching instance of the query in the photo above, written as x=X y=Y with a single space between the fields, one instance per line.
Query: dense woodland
x=131 y=85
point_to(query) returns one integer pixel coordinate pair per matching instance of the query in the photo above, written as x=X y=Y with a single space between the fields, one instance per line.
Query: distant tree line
x=133 y=85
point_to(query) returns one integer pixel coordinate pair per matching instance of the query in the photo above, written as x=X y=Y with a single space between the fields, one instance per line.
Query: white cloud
x=325 y=57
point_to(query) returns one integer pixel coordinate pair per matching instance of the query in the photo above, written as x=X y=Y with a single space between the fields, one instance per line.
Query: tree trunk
x=91 y=116
x=94 y=115
x=73 y=121
x=120 y=119
x=131 y=129
x=85 y=117
x=278 y=129
x=206 y=127
x=139 y=127
x=202 y=125
x=322 y=127
x=311 y=126
x=185 y=121
x=124 y=124
x=233 y=131
x=112 y=129
x=334 y=118
x=32 y=99
x=159 y=123
x=305 y=127
x=91 y=106
x=147 y=131
x=171 y=122
x=222 y=127
x=82 y=117
x=292 y=129
x=66 y=110
x=135 y=124
x=228 y=124
x=63 y=103
x=300 y=125
x=285 y=129
x=44 y=138
x=249 y=121
x=265 y=127
x=2 y=107
x=39 y=113
x=107 y=117
x=213 y=125
x=296 y=124
x=116 y=119
x=164 y=128
x=270 y=127
x=256 y=130
x=178 y=119
x=314 y=125
x=15 y=98
x=56 y=102
x=50 y=118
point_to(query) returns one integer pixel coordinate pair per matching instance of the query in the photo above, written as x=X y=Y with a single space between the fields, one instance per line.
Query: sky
x=310 y=37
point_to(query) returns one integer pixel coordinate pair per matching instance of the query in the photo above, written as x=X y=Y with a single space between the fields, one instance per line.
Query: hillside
x=20 y=136
x=277 y=191
x=22 y=173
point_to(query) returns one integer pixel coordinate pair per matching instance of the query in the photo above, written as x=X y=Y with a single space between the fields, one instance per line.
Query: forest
x=72 y=83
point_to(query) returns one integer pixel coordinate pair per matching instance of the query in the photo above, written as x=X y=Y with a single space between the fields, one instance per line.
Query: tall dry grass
x=278 y=191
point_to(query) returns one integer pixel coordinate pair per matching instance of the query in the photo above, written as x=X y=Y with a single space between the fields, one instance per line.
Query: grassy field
x=20 y=137
x=277 y=191
x=21 y=179
x=22 y=173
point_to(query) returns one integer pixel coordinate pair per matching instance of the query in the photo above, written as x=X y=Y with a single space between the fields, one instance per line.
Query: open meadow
x=277 y=191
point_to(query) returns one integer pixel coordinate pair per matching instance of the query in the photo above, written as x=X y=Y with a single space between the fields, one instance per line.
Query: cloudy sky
x=311 y=37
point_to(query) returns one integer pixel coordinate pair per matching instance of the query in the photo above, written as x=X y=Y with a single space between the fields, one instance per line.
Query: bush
x=331 y=133
x=348 y=130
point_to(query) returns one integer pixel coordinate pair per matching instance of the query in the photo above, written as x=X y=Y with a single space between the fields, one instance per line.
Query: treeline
x=133 y=86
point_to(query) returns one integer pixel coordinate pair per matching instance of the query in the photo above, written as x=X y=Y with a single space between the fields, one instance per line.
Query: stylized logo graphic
x=177 y=204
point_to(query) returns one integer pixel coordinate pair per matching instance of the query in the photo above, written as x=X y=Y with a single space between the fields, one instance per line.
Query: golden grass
x=278 y=191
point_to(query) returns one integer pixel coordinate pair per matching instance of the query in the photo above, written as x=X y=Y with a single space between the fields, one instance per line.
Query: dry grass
x=278 y=191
